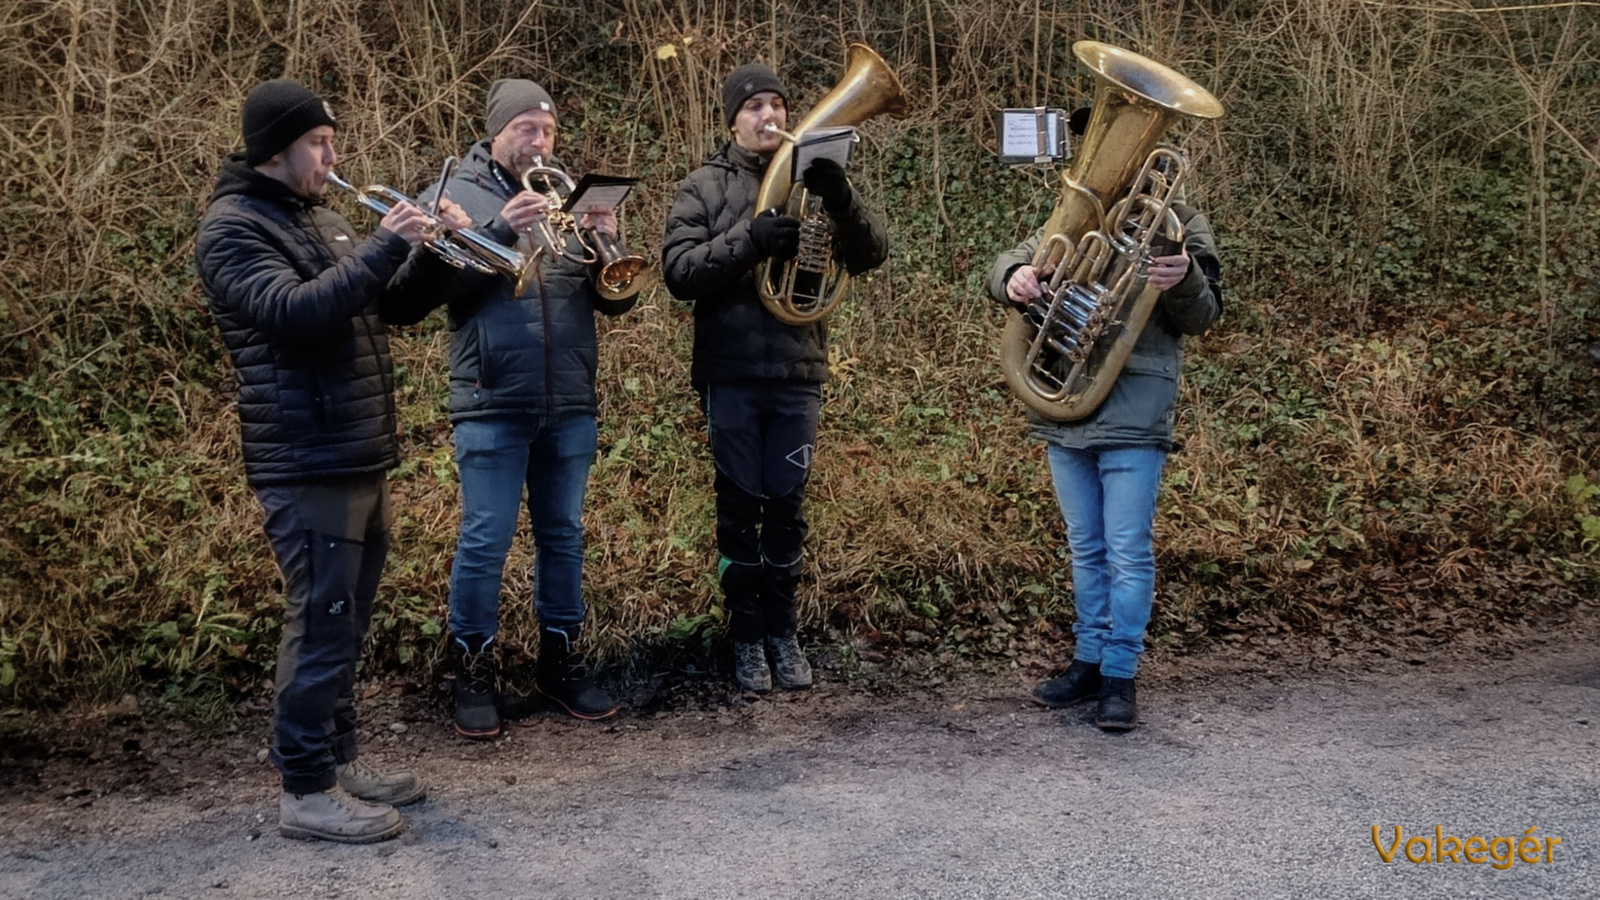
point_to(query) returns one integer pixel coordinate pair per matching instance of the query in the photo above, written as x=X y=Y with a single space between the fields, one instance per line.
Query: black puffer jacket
x=534 y=354
x=296 y=295
x=708 y=260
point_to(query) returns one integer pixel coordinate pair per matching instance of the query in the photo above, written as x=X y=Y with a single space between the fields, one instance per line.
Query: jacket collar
x=239 y=177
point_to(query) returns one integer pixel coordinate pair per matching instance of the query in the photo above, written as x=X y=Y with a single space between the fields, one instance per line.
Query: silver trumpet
x=462 y=247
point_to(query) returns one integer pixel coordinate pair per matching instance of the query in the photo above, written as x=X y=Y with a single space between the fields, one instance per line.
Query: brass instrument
x=1062 y=354
x=618 y=273
x=462 y=248
x=807 y=288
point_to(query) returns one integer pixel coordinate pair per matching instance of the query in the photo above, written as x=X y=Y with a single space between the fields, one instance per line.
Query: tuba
x=807 y=288
x=618 y=274
x=1062 y=354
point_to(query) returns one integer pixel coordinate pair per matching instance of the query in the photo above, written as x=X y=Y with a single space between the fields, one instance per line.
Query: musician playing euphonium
x=1107 y=471
x=759 y=379
x=523 y=405
x=302 y=301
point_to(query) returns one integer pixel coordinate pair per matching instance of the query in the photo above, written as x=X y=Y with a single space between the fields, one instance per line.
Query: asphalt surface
x=1243 y=781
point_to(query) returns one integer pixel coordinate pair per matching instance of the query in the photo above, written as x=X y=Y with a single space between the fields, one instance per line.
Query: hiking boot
x=790 y=670
x=1118 y=711
x=366 y=783
x=750 y=668
x=1080 y=682
x=561 y=678
x=334 y=815
x=476 y=715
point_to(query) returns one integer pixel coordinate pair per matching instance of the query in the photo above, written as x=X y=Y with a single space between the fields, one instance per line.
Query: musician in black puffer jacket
x=299 y=299
x=760 y=380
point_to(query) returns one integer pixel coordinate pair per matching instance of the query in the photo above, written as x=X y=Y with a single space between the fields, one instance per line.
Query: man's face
x=531 y=133
x=304 y=165
x=751 y=121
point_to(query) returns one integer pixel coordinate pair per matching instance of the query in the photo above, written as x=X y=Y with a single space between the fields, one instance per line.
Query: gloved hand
x=827 y=180
x=775 y=235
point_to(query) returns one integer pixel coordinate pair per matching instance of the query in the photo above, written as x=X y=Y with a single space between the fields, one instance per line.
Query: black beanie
x=746 y=82
x=275 y=114
x=511 y=97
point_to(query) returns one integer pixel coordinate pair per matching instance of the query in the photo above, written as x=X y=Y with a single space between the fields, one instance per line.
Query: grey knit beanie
x=746 y=82
x=511 y=97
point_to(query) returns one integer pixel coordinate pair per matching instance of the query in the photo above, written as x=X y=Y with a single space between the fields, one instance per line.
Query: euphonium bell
x=807 y=288
x=1064 y=352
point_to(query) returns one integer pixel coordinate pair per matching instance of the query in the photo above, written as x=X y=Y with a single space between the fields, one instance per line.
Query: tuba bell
x=805 y=289
x=1062 y=354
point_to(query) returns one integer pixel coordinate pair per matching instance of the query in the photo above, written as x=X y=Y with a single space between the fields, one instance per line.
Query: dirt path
x=1248 y=779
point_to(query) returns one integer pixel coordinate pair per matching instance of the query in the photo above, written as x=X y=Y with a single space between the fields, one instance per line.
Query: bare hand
x=1167 y=271
x=601 y=222
x=452 y=216
x=525 y=210
x=1023 y=286
x=407 y=221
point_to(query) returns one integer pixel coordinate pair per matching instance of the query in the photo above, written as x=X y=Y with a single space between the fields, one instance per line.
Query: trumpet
x=619 y=274
x=462 y=248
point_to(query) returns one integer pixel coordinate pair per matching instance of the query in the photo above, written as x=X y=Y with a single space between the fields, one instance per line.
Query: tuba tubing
x=869 y=88
x=1063 y=354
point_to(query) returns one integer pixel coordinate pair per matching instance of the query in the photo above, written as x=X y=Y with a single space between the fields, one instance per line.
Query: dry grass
x=1379 y=433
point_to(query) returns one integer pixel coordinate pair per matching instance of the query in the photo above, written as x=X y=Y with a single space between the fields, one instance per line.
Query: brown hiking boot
x=334 y=815
x=366 y=783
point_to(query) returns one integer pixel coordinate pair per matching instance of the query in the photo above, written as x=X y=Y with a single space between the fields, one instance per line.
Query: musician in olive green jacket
x=1107 y=470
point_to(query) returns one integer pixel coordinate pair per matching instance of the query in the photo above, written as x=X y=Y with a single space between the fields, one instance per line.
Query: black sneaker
x=1080 y=682
x=1118 y=710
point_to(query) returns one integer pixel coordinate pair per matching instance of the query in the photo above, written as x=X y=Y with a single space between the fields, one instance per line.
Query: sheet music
x=598 y=194
x=1021 y=136
x=823 y=143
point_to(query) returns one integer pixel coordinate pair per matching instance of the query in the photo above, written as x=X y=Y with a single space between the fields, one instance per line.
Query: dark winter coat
x=534 y=354
x=708 y=260
x=1139 y=411
x=297 y=295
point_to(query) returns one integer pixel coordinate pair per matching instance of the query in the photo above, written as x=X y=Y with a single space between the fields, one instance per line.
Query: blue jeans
x=496 y=459
x=1108 y=498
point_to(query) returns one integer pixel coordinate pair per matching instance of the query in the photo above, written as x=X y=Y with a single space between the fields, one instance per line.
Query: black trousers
x=762 y=438
x=330 y=537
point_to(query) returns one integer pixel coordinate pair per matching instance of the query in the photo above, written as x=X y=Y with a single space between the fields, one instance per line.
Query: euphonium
x=807 y=288
x=1063 y=353
x=619 y=274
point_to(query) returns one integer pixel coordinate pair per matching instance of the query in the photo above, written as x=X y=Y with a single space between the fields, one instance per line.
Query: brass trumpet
x=618 y=274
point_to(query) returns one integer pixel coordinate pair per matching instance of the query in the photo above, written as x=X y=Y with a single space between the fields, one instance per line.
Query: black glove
x=827 y=180
x=775 y=236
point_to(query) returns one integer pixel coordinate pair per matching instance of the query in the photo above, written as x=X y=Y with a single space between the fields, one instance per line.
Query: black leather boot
x=561 y=678
x=476 y=692
x=1080 y=682
x=1118 y=710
